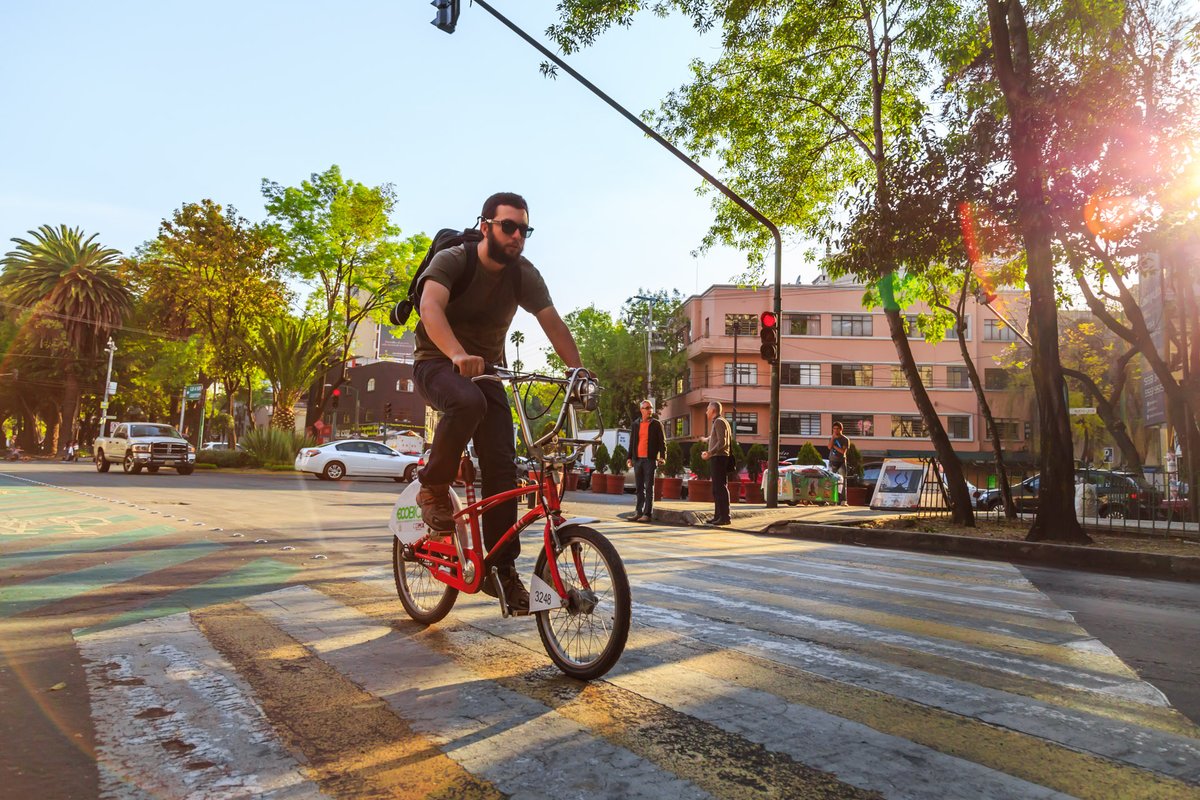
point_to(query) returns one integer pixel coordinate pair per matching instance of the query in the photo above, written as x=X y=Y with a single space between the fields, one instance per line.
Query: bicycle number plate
x=542 y=596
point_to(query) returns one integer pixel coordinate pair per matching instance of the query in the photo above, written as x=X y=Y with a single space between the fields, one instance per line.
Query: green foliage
x=291 y=353
x=274 y=446
x=619 y=456
x=673 y=464
x=756 y=457
x=809 y=455
x=699 y=465
x=600 y=458
x=854 y=465
x=226 y=458
x=737 y=454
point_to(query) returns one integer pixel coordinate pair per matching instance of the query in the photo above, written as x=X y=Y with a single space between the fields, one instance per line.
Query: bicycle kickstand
x=494 y=577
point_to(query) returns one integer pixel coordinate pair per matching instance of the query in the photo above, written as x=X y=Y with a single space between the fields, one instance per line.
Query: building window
x=370 y=384
x=995 y=380
x=345 y=417
x=958 y=427
x=803 y=324
x=680 y=427
x=1009 y=429
x=900 y=381
x=746 y=423
x=852 y=375
x=850 y=325
x=856 y=424
x=911 y=329
x=748 y=324
x=957 y=378
x=368 y=415
x=799 y=423
x=996 y=331
x=408 y=385
x=909 y=427
x=706 y=327
x=747 y=374
x=800 y=374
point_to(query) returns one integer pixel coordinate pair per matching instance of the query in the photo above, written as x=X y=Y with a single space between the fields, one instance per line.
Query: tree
x=291 y=353
x=1090 y=359
x=336 y=235
x=802 y=109
x=809 y=455
x=517 y=338
x=60 y=275
x=612 y=352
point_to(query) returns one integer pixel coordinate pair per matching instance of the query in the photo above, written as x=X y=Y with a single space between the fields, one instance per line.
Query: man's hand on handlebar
x=468 y=366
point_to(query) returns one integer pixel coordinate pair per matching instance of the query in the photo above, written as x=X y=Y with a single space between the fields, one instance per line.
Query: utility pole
x=737 y=328
x=447 y=20
x=112 y=348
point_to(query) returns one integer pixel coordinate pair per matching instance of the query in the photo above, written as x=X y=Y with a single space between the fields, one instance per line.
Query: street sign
x=1108 y=455
x=1082 y=412
x=192 y=391
x=112 y=387
x=104 y=405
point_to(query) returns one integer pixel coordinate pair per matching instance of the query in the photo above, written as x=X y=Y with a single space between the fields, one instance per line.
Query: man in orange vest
x=647 y=444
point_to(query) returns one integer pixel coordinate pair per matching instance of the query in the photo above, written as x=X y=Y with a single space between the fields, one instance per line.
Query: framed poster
x=899 y=485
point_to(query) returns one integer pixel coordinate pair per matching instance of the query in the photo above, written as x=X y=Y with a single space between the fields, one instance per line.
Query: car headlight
x=141 y=448
x=191 y=448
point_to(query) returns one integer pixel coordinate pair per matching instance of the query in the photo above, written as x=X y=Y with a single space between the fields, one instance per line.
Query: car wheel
x=130 y=466
x=994 y=504
x=102 y=465
x=185 y=469
x=410 y=473
x=1113 y=512
x=334 y=471
x=152 y=470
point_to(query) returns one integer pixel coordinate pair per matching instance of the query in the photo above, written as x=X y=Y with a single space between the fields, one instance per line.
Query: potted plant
x=599 y=467
x=756 y=456
x=672 y=484
x=700 y=487
x=856 y=487
x=616 y=481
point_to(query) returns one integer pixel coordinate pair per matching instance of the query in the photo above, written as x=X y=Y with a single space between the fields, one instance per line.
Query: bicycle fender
x=567 y=523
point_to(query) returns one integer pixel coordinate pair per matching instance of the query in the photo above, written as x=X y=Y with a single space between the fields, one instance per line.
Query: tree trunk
x=960 y=498
x=1055 y=519
x=67 y=429
x=1106 y=409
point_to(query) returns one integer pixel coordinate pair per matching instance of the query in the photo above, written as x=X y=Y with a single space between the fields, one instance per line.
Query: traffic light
x=447 y=15
x=337 y=394
x=387 y=411
x=768 y=332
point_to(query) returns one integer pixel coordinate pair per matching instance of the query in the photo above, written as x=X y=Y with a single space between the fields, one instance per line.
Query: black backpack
x=445 y=239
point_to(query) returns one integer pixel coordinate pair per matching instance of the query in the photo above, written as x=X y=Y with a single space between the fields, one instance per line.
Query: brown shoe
x=436 y=511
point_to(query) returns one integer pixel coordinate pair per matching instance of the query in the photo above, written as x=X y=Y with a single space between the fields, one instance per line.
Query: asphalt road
x=232 y=635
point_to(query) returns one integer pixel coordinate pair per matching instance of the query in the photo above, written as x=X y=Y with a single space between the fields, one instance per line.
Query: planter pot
x=856 y=495
x=672 y=488
x=598 y=484
x=735 y=491
x=700 y=491
x=615 y=484
x=658 y=490
x=571 y=482
x=754 y=493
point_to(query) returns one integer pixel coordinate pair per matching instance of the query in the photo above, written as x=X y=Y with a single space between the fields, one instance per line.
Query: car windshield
x=153 y=430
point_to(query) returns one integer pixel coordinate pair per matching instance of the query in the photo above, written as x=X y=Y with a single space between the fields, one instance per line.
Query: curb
x=1179 y=568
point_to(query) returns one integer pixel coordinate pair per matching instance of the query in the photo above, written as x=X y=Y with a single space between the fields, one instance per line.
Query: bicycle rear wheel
x=425 y=598
x=585 y=638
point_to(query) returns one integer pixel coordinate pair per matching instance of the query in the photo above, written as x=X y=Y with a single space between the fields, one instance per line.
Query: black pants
x=720 y=487
x=643 y=473
x=479 y=412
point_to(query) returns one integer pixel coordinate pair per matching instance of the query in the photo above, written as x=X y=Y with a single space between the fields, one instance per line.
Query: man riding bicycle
x=456 y=339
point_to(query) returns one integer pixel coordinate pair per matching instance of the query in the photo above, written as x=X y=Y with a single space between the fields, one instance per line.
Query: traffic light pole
x=448 y=18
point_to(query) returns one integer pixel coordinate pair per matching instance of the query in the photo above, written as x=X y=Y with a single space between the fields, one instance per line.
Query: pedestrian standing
x=839 y=443
x=718 y=453
x=647 y=447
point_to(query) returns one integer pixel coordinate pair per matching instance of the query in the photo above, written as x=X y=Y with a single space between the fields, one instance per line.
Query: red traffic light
x=768 y=334
x=337 y=392
x=768 y=319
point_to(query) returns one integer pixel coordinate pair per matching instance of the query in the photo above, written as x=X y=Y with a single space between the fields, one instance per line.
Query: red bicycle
x=579 y=592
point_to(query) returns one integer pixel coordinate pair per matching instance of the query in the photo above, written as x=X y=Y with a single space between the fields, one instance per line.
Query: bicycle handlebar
x=582 y=391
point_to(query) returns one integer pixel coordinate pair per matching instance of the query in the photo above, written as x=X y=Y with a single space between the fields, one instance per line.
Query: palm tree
x=60 y=275
x=291 y=353
x=517 y=338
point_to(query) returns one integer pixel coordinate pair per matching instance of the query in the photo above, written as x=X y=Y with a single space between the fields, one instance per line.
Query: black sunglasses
x=509 y=227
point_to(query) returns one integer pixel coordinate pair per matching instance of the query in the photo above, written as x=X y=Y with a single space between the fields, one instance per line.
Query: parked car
x=1117 y=495
x=357 y=458
x=144 y=445
x=219 y=446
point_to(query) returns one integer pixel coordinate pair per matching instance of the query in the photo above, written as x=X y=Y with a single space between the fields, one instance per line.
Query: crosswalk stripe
x=261 y=575
x=354 y=745
x=76 y=545
x=22 y=597
x=721 y=763
x=173 y=719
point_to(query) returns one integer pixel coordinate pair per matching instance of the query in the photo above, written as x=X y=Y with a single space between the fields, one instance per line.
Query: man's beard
x=498 y=253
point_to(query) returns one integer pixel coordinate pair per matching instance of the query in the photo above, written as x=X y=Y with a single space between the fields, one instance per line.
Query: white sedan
x=356 y=457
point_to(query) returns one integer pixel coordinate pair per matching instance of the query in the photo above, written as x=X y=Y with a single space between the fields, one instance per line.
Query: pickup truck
x=135 y=445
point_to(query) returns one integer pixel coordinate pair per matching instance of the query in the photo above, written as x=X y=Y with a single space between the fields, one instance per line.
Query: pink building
x=839 y=364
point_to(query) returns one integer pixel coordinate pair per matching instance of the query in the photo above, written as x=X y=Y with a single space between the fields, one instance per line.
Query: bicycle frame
x=448 y=561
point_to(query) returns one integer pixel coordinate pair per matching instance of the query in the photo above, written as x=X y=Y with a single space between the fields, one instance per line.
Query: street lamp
x=650 y=301
x=111 y=348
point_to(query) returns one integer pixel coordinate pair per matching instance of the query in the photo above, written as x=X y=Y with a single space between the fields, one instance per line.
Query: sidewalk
x=844 y=525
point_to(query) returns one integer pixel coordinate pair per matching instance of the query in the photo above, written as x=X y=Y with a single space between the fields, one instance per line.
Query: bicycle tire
x=426 y=599
x=589 y=655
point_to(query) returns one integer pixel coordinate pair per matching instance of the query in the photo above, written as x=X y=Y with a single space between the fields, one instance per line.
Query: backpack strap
x=468 y=274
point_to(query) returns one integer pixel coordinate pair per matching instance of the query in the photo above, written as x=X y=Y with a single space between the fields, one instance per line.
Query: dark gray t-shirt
x=480 y=316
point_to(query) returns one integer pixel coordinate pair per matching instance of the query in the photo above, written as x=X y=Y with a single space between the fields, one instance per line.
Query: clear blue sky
x=118 y=113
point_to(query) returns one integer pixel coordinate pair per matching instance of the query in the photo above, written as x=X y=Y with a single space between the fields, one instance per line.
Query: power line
x=73 y=318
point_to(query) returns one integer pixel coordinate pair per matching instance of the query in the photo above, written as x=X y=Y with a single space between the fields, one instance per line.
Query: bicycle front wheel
x=586 y=637
x=426 y=599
